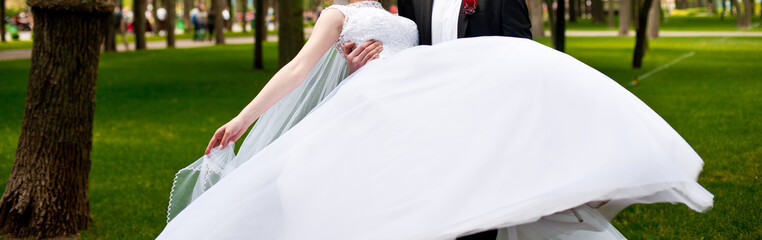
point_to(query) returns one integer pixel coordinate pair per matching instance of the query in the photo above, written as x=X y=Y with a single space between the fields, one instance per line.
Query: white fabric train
x=440 y=141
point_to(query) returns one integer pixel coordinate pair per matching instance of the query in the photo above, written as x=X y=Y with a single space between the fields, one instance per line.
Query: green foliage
x=688 y=12
x=157 y=110
x=14 y=7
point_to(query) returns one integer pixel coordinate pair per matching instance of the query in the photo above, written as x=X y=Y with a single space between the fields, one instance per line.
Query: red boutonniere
x=469 y=6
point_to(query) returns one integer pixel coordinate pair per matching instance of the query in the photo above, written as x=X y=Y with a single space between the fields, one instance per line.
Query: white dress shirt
x=444 y=20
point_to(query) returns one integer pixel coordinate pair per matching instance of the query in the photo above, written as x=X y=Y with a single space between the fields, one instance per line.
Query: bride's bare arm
x=324 y=35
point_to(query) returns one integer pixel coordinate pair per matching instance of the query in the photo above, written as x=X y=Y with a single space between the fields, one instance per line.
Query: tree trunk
x=681 y=4
x=551 y=21
x=260 y=32
x=290 y=31
x=611 y=13
x=641 y=40
x=170 y=18
x=748 y=7
x=155 y=26
x=243 y=7
x=573 y=11
x=219 y=22
x=560 y=34
x=109 y=43
x=231 y=14
x=139 y=23
x=739 y=13
x=535 y=15
x=625 y=17
x=653 y=19
x=2 y=20
x=597 y=11
x=187 y=6
x=46 y=195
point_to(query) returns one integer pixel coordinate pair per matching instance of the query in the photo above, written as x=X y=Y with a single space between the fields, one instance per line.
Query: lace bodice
x=367 y=20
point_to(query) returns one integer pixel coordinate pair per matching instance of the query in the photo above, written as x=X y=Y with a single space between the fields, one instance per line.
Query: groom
x=443 y=20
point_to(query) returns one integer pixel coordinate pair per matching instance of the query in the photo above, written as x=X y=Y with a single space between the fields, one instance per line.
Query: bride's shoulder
x=333 y=12
x=331 y=18
x=336 y=7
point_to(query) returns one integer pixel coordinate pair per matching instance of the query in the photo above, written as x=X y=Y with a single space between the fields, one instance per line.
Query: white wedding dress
x=436 y=142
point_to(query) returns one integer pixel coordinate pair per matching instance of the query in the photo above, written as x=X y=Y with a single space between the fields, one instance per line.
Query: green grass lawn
x=157 y=109
x=13 y=45
x=673 y=23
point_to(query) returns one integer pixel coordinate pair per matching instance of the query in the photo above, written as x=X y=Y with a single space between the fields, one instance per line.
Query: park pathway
x=187 y=43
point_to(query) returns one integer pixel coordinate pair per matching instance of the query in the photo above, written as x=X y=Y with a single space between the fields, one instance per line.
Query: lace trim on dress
x=347 y=11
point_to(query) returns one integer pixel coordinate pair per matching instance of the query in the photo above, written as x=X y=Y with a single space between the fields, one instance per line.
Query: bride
x=431 y=142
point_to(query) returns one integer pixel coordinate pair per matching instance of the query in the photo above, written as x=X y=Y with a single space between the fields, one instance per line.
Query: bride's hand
x=230 y=132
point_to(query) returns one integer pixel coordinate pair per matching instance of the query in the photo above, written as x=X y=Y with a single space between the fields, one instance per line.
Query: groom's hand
x=358 y=56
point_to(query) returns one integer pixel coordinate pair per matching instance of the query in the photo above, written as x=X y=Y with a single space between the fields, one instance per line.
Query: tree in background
x=681 y=4
x=560 y=34
x=219 y=22
x=625 y=17
x=745 y=13
x=187 y=6
x=536 y=18
x=654 y=17
x=109 y=42
x=243 y=7
x=139 y=23
x=290 y=30
x=46 y=196
x=231 y=14
x=572 y=11
x=2 y=20
x=581 y=8
x=154 y=7
x=259 y=32
x=551 y=21
x=611 y=13
x=557 y=23
x=641 y=40
x=170 y=18
x=597 y=11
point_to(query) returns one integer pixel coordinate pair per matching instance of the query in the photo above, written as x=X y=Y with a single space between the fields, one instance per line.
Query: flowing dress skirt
x=440 y=141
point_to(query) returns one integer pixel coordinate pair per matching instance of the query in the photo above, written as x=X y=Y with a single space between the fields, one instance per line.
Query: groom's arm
x=516 y=19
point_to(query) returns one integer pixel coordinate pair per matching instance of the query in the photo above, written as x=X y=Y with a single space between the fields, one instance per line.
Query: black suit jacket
x=492 y=18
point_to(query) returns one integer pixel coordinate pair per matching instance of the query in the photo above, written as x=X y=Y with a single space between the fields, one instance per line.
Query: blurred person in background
x=210 y=25
x=120 y=25
x=161 y=19
x=225 y=17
